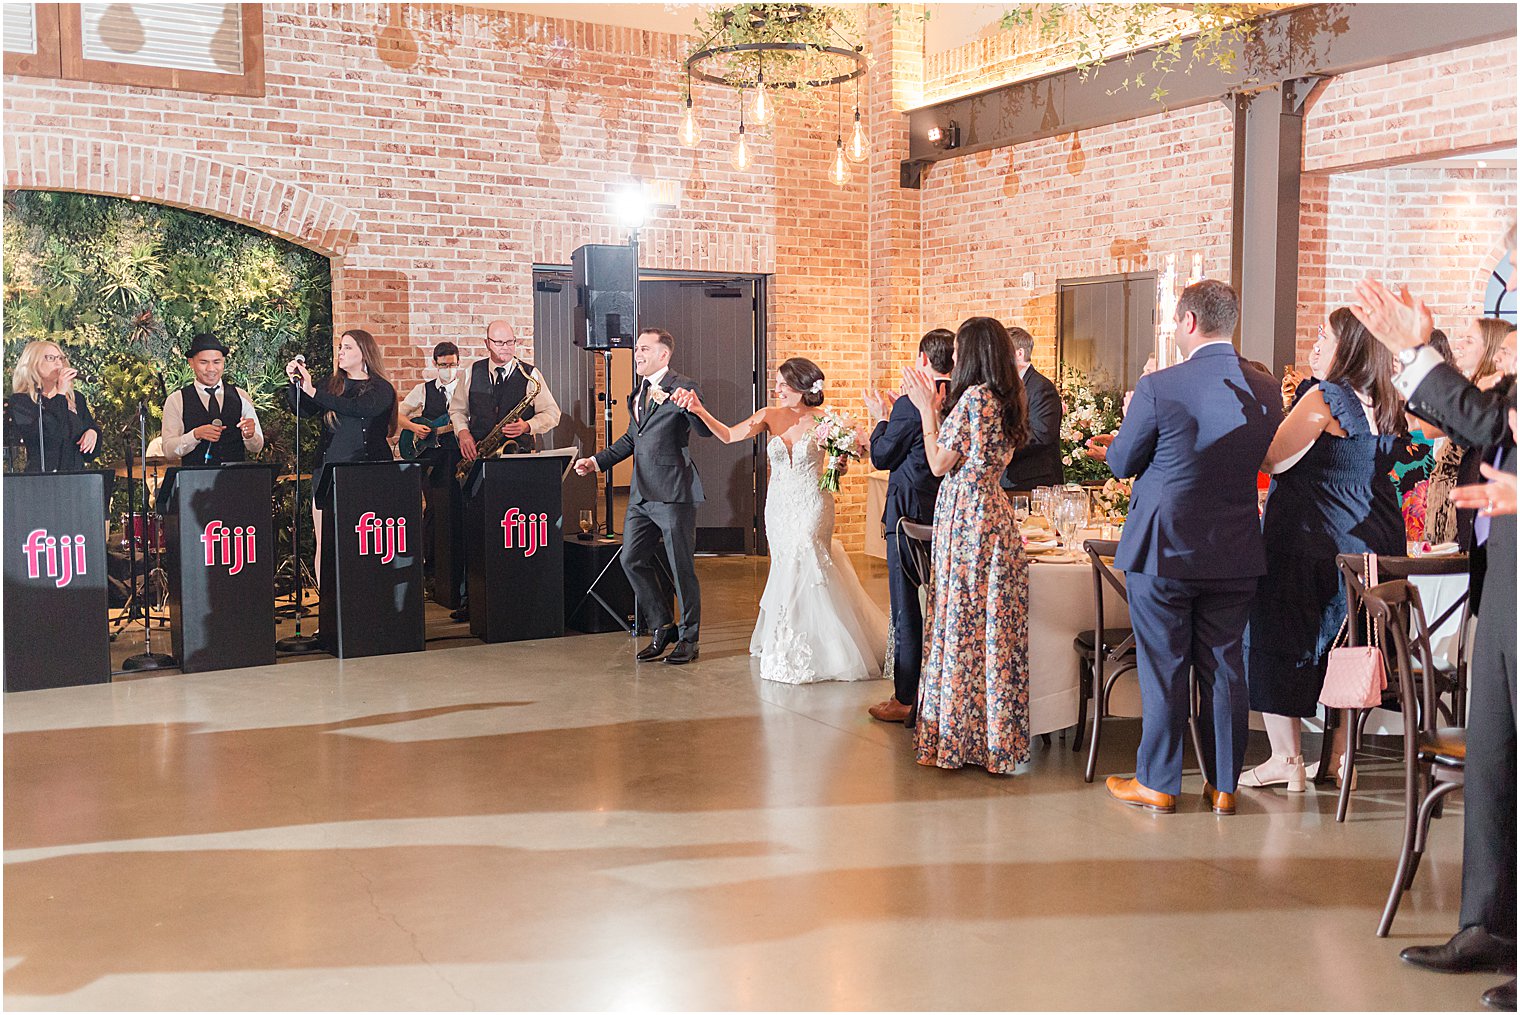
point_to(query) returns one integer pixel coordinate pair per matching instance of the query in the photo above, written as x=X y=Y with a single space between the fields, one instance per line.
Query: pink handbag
x=1355 y=676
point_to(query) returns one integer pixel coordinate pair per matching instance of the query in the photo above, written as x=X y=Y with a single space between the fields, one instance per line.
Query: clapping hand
x=1097 y=447
x=879 y=404
x=918 y=385
x=1496 y=497
x=1399 y=322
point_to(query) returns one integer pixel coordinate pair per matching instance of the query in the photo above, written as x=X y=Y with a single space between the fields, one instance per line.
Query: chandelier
x=757 y=50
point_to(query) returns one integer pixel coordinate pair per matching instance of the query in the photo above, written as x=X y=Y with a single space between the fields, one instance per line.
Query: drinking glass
x=585 y=521
x=1020 y=508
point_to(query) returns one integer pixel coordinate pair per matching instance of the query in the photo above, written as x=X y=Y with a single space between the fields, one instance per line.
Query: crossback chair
x=1446 y=682
x=1435 y=757
x=1104 y=660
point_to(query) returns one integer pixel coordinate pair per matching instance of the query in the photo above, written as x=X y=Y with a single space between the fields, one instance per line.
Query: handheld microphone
x=216 y=422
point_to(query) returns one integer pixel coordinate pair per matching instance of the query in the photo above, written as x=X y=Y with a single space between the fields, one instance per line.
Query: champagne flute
x=1020 y=508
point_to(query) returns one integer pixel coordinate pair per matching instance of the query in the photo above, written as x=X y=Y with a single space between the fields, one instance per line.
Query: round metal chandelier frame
x=694 y=62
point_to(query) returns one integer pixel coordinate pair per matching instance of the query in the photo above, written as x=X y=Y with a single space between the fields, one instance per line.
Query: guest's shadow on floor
x=74 y=919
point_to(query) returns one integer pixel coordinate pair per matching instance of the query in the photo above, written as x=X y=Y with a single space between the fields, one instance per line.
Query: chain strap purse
x=1355 y=675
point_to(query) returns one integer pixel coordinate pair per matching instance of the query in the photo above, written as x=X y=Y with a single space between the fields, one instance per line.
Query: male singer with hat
x=208 y=422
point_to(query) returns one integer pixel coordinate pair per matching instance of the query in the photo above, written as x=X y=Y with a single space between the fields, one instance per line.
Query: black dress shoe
x=1471 y=950
x=462 y=615
x=1500 y=998
x=686 y=652
x=664 y=637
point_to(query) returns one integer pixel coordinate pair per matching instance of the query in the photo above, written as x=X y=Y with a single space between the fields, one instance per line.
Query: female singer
x=357 y=405
x=43 y=384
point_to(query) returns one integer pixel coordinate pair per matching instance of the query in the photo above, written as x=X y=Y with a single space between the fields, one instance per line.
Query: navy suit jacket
x=1195 y=436
x=897 y=445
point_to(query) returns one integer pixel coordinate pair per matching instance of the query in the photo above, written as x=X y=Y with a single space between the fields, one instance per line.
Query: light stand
x=297 y=644
x=147 y=659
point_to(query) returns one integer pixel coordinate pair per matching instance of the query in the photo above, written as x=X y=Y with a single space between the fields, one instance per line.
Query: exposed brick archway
x=182 y=180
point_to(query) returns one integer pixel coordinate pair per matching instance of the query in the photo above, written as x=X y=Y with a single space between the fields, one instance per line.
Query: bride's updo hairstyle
x=803 y=377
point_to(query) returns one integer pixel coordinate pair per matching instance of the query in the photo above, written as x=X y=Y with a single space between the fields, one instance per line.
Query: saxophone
x=491 y=444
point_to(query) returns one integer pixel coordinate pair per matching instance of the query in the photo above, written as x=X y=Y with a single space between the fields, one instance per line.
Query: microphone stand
x=147 y=659
x=297 y=644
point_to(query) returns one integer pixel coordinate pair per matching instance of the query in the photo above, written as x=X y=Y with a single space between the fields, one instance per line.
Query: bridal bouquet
x=840 y=441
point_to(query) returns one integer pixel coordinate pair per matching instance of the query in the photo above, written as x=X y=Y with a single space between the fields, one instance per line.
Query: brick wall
x=1433 y=228
x=1000 y=227
x=436 y=184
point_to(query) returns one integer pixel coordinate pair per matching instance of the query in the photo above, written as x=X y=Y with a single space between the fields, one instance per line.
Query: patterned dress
x=974 y=699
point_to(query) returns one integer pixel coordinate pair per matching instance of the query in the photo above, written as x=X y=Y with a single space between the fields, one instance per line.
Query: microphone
x=216 y=422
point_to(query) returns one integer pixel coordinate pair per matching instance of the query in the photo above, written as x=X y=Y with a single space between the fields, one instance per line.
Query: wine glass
x=1020 y=508
x=585 y=522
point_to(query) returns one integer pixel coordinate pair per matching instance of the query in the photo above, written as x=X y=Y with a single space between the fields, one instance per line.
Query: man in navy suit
x=1195 y=435
x=897 y=444
x=1038 y=462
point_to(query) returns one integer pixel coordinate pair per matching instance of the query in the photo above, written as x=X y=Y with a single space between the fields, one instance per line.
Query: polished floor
x=549 y=825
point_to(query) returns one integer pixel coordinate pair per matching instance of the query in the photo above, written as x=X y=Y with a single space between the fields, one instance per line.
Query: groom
x=662 y=500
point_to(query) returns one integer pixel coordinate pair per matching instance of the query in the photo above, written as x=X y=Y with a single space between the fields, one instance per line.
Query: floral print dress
x=974 y=698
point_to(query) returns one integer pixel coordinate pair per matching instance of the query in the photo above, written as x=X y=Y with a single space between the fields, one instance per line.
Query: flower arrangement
x=1112 y=498
x=1086 y=413
x=841 y=441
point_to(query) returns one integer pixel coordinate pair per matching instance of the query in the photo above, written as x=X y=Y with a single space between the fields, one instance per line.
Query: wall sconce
x=946 y=137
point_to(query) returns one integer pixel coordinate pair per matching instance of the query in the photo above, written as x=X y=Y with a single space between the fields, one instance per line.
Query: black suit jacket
x=662 y=467
x=1479 y=420
x=897 y=445
x=1038 y=462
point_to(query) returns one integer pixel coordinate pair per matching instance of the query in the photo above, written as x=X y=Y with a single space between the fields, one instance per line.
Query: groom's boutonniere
x=657 y=394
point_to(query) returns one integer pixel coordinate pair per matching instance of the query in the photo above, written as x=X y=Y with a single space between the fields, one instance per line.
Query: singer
x=52 y=419
x=357 y=405
x=194 y=431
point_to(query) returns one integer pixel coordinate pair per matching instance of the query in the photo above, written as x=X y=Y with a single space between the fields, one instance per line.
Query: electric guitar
x=413 y=447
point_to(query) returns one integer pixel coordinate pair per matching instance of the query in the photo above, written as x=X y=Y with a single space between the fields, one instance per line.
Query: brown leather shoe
x=1222 y=803
x=890 y=710
x=1130 y=791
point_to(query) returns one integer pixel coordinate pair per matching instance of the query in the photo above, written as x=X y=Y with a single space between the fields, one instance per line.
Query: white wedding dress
x=816 y=621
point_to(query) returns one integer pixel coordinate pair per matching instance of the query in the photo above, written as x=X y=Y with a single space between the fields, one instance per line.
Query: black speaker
x=605 y=275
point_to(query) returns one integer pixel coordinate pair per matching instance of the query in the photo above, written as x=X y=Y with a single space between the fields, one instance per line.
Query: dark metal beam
x=1316 y=40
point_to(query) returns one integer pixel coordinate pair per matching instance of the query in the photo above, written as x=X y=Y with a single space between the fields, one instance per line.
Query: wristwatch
x=1406 y=357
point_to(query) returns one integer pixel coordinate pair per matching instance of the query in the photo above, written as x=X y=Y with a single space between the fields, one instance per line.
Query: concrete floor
x=549 y=825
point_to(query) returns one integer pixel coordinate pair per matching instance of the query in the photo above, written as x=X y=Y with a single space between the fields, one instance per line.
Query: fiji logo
x=230 y=548
x=529 y=533
x=385 y=537
x=57 y=557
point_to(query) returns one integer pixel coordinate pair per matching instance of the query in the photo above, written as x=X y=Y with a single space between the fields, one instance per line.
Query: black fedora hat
x=205 y=342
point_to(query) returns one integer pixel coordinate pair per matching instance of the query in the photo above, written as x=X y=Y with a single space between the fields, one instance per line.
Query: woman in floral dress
x=974 y=698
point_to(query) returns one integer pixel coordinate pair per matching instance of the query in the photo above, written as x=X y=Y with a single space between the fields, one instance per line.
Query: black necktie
x=501 y=375
x=643 y=398
x=212 y=405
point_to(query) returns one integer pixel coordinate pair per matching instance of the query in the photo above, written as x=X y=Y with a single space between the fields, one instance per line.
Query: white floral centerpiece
x=1086 y=413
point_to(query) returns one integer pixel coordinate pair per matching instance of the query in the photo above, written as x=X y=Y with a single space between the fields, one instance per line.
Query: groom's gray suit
x=662 y=501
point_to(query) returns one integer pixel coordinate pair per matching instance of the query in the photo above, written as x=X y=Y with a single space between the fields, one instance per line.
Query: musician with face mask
x=429 y=401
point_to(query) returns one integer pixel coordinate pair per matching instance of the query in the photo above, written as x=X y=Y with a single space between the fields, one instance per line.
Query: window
x=207 y=47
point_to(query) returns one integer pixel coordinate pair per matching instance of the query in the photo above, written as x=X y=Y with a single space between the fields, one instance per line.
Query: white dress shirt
x=177 y=443
x=653 y=381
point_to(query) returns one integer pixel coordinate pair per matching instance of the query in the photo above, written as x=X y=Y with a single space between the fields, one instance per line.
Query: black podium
x=371 y=558
x=56 y=628
x=219 y=526
x=514 y=540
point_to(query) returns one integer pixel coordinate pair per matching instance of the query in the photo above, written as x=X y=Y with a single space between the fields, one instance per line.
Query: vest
x=230 y=447
x=434 y=402
x=489 y=401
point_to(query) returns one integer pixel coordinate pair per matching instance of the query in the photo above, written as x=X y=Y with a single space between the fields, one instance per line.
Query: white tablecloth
x=1060 y=605
x=876 y=503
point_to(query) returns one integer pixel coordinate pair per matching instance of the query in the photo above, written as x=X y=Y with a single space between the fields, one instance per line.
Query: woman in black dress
x=1331 y=493
x=43 y=384
x=357 y=405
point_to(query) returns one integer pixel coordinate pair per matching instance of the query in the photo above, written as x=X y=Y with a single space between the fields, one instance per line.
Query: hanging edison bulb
x=860 y=146
x=690 y=135
x=763 y=108
x=740 y=157
x=840 y=174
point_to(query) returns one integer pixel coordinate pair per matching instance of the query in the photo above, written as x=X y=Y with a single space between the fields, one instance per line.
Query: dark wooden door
x=1107 y=327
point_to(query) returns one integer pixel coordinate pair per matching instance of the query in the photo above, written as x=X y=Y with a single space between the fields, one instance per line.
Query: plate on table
x=1438 y=550
x=1056 y=557
x=1033 y=546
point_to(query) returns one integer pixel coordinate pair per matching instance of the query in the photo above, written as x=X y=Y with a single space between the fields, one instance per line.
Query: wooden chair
x=1435 y=757
x=1103 y=664
x=1449 y=682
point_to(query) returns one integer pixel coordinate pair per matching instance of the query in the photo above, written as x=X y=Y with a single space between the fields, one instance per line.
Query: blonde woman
x=51 y=418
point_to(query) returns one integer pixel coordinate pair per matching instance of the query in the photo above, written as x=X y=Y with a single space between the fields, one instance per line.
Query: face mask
x=446 y=375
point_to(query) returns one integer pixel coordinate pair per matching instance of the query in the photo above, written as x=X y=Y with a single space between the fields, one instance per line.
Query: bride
x=816 y=621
